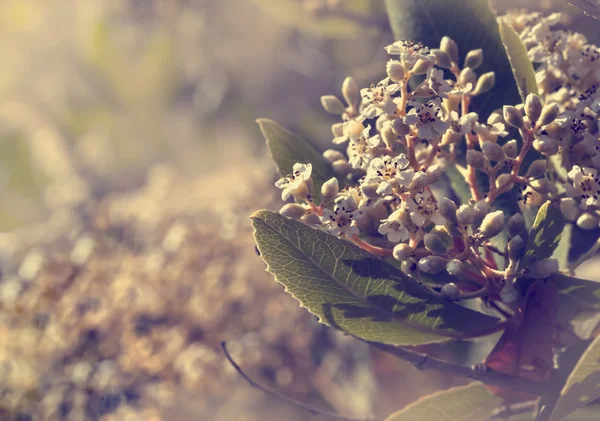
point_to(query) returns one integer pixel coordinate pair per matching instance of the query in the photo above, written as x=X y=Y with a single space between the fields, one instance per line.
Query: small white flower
x=360 y=154
x=342 y=220
x=585 y=185
x=388 y=173
x=409 y=52
x=378 y=100
x=294 y=182
x=351 y=130
x=428 y=118
x=423 y=210
x=436 y=82
x=462 y=125
x=394 y=228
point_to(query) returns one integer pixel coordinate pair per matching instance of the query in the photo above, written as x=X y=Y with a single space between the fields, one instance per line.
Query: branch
x=275 y=394
x=482 y=374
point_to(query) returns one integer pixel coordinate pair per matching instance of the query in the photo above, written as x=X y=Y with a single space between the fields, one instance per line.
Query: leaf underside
x=355 y=291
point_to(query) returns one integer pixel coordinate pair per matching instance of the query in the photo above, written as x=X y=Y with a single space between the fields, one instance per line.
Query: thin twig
x=275 y=394
x=507 y=411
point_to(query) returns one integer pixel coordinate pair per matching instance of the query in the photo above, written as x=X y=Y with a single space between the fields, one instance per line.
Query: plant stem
x=379 y=251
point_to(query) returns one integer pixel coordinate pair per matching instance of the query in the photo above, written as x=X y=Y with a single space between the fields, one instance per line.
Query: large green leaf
x=472 y=24
x=579 y=299
x=286 y=149
x=521 y=66
x=561 y=253
x=463 y=403
x=583 y=384
x=544 y=235
x=355 y=291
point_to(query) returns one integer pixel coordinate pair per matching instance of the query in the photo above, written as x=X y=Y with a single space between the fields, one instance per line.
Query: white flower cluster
x=400 y=138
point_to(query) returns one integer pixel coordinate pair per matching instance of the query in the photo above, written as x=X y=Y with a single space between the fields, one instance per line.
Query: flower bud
x=433 y=172
x=537 y=168
x=421 y=67
x=533 y=107
x=448 y=46
x=329 y=190
x=505 y=180
x=515 y=225
x=509 y=294
x=569 y=209
x=399 y=127
x=485 y=83
x=441 y=58
x=465 y=215
x=492 y=224
x=475 y=159
x=492 y=151
x=370 y=191
x=587 y=222
x=467 y=75
x=395 y=70
x=495 y=117
x=543 y=269
x=332 y=104
x=351 y=91
x=311 y=219
x=331 y=155
x=410 y=267
x=546 y=145
x=513 y=116
x=543 y=185
x=341 y=167
x=454 y=267
x=432 y=264
x=474 y=58
x=548 y=114
x=516 y=248
x=402 y=252
x=510 y=148
x=293 y=210
x=434 y=244
x=450 y=292
x=447 y=208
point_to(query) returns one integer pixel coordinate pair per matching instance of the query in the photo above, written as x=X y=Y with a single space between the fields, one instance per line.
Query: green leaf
x=561 y=253
x=583 y=384
x=579 y=299
x=462 y=403
x=544 y=235
x=355 y=291
x=287 y=148
x=458 y=182
x=472 y=24
x=522 y=67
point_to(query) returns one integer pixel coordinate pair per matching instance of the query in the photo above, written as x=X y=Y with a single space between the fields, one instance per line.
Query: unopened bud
x=433 y=172
x=533 y=107
x=513 y=116
x=548 y=114
x=587 y=222
x=543 y=185
x=293 y=210
x=492 y=151
x=434 y=244
x=510 y=148
x=509 y=294
x=341 y=167
x=516 y=248
x=370 y=191
x=546 y=145
x=448 y=46
x=474 y=58
x=475 y=159
x=351 y=91
x=395 y=70
x=447 y=208
x=432 y=264
x=410 y=267
x=454 y=267
x=337 y=129
x=311 y=219
x=329 y=190
x=485 y=83
x=450 y=292
x=441 y=58
x=492 y=225
x=331 y=155
x=465 y=215
x=543 y=269
x=505 y=181
x=495 y=117
x=332 y=104
x=421 y=67
x=402 y=252
x=537 y=168
x=399 y=127
x=467 y=75
x=515 y=225
x=569 y=209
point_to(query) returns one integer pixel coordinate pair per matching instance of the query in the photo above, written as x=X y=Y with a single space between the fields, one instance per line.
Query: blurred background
x=129 y=163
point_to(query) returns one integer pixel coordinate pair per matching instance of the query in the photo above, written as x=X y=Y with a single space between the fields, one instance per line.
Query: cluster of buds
x=399 y=140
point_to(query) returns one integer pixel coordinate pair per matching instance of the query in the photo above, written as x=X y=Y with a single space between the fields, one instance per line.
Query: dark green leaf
x=472 y=24
x=544 y=235
x=583 y=384
x=521 y=66
x=286 y=149
x=562 y=251
x=355 y=291
x=470 y=402
x=458 y=182
x=579 y=299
